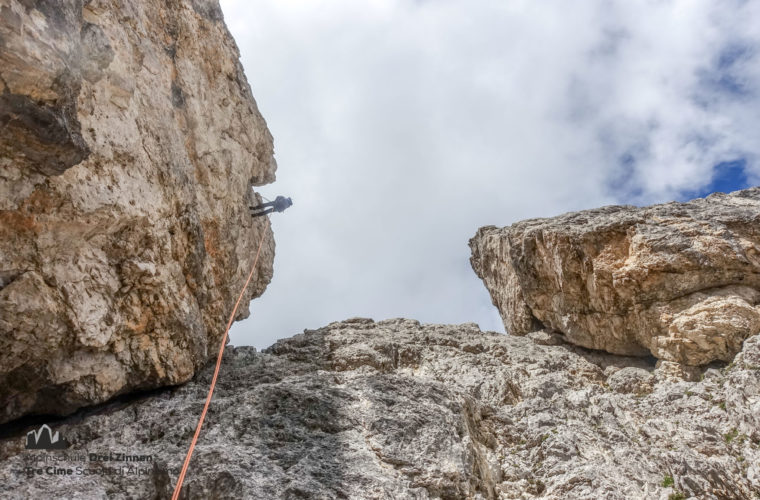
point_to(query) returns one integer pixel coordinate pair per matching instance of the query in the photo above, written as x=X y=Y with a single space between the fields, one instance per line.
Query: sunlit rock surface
x=128 y=142
x=395 y=409
x=680 y=280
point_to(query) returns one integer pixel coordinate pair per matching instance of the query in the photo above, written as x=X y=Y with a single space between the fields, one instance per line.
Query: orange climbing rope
x=181 y=478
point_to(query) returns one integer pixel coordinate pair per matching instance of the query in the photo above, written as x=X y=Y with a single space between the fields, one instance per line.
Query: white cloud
x=401 y=127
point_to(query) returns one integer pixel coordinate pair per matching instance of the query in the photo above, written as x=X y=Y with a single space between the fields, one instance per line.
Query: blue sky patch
x=727 y=176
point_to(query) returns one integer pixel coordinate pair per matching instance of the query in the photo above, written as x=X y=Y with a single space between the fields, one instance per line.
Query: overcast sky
x=400 y=127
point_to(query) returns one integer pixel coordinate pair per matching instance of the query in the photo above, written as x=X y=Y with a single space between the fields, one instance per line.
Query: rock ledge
x=680 y=281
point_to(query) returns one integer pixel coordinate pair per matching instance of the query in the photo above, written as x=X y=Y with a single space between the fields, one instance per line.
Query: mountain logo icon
x=44 y=439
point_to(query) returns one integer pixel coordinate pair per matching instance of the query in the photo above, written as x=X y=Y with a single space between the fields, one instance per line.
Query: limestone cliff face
x=394 y=409
x=679 y=280
x=129 y=140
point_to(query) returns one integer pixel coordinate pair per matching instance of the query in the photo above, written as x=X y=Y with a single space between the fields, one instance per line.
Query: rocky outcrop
x=129 y=140
x=680 y=281
x=395 y=409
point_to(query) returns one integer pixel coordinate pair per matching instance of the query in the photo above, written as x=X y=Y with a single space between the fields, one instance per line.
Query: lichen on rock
x=680 y=280
x=129 y=140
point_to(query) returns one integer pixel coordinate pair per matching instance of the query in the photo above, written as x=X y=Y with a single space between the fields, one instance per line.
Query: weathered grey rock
x=631 y=380
x=545 y=337
x=680 y=281
x=128 y=142
x=395 y=409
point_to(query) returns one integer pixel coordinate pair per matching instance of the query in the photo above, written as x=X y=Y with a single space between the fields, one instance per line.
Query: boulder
x=129 y=140
x=679 y=280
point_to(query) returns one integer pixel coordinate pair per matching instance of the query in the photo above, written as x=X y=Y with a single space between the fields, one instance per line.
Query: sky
x=402 y=126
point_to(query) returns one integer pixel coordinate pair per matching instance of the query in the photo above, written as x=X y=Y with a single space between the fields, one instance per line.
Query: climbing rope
x=181 y=478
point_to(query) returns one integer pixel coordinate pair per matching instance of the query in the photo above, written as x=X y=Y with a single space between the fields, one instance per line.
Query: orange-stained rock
x=129 y=140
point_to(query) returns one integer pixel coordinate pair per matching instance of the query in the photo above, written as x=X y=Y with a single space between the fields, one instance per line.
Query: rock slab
x=129 y=140
x=680 y=280
x=394 y=409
